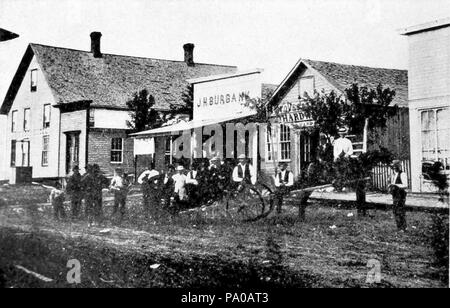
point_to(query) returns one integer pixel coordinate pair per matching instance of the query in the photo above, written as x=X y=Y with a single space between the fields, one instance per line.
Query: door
x=308 y=150
x=72 y=150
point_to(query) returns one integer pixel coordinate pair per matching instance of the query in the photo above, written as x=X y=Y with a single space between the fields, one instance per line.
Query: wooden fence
x=381 y=175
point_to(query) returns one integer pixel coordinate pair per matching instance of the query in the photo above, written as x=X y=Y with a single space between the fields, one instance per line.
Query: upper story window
x=26 y=119
x=14 y=121
x=116 y=150
x=33 y=80
x=46 y=116
x=306 y=85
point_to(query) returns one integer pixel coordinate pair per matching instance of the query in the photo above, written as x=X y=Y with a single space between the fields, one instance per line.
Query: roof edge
x=428 y=26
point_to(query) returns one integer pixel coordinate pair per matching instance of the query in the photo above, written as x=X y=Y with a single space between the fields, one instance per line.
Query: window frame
x=33 y=85
x=112 y=150
x=26 y=121
x=300 y=92
x=14 y=118
x=286 y=141
x=269 y=145
x=44 y=126
x=435 y=130
x=13 y=156
x=45 y=150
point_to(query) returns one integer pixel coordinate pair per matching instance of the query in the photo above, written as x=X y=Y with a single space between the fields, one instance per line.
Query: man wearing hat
x=150 y=187
x=74 y=189
x=342 y=144
x=120 y=186
x=399 y=183
x=244 y=173
x=284 y=180
x=179 y=179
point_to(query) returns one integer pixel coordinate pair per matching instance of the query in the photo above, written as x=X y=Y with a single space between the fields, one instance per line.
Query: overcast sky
x=265 y=34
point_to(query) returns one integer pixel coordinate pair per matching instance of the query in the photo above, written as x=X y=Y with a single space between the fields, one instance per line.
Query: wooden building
x=67 y=107
x=295 y=147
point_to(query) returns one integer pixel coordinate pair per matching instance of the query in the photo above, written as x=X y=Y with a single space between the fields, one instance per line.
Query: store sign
x=226 y=97
x=292 y=113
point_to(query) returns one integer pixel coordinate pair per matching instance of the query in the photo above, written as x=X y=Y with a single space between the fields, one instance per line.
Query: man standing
x=87 y=184
x=100 y=182
x=284 y=180
x=342 y=145
x=74 y=189
x=399 y=183
x=150 y=189
x=119 y=185
x=179 y=179
x=244 y=173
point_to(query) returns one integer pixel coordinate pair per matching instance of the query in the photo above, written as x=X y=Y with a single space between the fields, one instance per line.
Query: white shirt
x=342 y=145
x=238 y=179
x=179 y=181
x=403 y=177
x=150 y=173
x=281 y=176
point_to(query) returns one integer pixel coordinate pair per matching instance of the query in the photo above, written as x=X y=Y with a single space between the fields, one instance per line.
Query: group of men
x=203 y=183
x=87 y=187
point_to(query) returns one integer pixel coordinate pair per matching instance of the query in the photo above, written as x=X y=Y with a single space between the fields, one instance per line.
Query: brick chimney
x=189 y=54
x=95 y=44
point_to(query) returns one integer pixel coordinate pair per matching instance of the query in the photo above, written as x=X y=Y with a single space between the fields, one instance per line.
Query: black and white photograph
x=226 y=150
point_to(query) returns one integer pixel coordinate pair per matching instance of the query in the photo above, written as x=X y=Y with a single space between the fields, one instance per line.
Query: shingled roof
x=111 y=80
x=342 y=76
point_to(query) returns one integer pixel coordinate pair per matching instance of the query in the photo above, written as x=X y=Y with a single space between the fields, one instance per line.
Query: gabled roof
x=109 y=81
x=6 y=35
x=342 y=76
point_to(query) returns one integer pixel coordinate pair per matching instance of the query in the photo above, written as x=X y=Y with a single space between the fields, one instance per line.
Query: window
x=91 y=117
x=46 y=118
x=13 y=153
x=33 y=80
x=306 y=84
x=14 y=121
x=45 y=142
x=116 y=150
x=26 y=119
x=435 y=129
x=285 y=143
x=25 y=153
x=270 y=149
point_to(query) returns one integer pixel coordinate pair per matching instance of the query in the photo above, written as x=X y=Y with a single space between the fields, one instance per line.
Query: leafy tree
x=360 y=109
x=142 y=112
x=188 y=103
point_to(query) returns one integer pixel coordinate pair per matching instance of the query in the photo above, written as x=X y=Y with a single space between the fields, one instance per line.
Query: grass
x=207 y=248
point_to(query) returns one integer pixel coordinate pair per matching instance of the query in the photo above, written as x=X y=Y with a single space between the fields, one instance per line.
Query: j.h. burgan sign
x=223 y=99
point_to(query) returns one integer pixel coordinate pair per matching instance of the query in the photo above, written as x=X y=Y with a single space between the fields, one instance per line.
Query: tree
x=360 y=109
x=142 y=112
x=188 y=103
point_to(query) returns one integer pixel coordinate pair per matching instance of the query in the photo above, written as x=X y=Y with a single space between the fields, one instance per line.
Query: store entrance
x=307 y=151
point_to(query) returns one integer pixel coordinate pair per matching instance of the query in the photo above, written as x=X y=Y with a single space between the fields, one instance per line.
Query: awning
x=182 y=126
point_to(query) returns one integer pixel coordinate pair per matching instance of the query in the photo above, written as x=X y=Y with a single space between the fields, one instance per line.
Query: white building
x=429 y=98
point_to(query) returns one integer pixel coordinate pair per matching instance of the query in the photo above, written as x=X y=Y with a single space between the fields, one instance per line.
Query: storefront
x=220 y=102
x=429 y=100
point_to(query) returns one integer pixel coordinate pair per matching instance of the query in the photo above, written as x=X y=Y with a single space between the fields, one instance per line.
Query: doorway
x=72 y=150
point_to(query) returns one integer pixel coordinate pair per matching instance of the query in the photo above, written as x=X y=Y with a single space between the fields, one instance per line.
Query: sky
x=268 y=34
x=271 y=35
